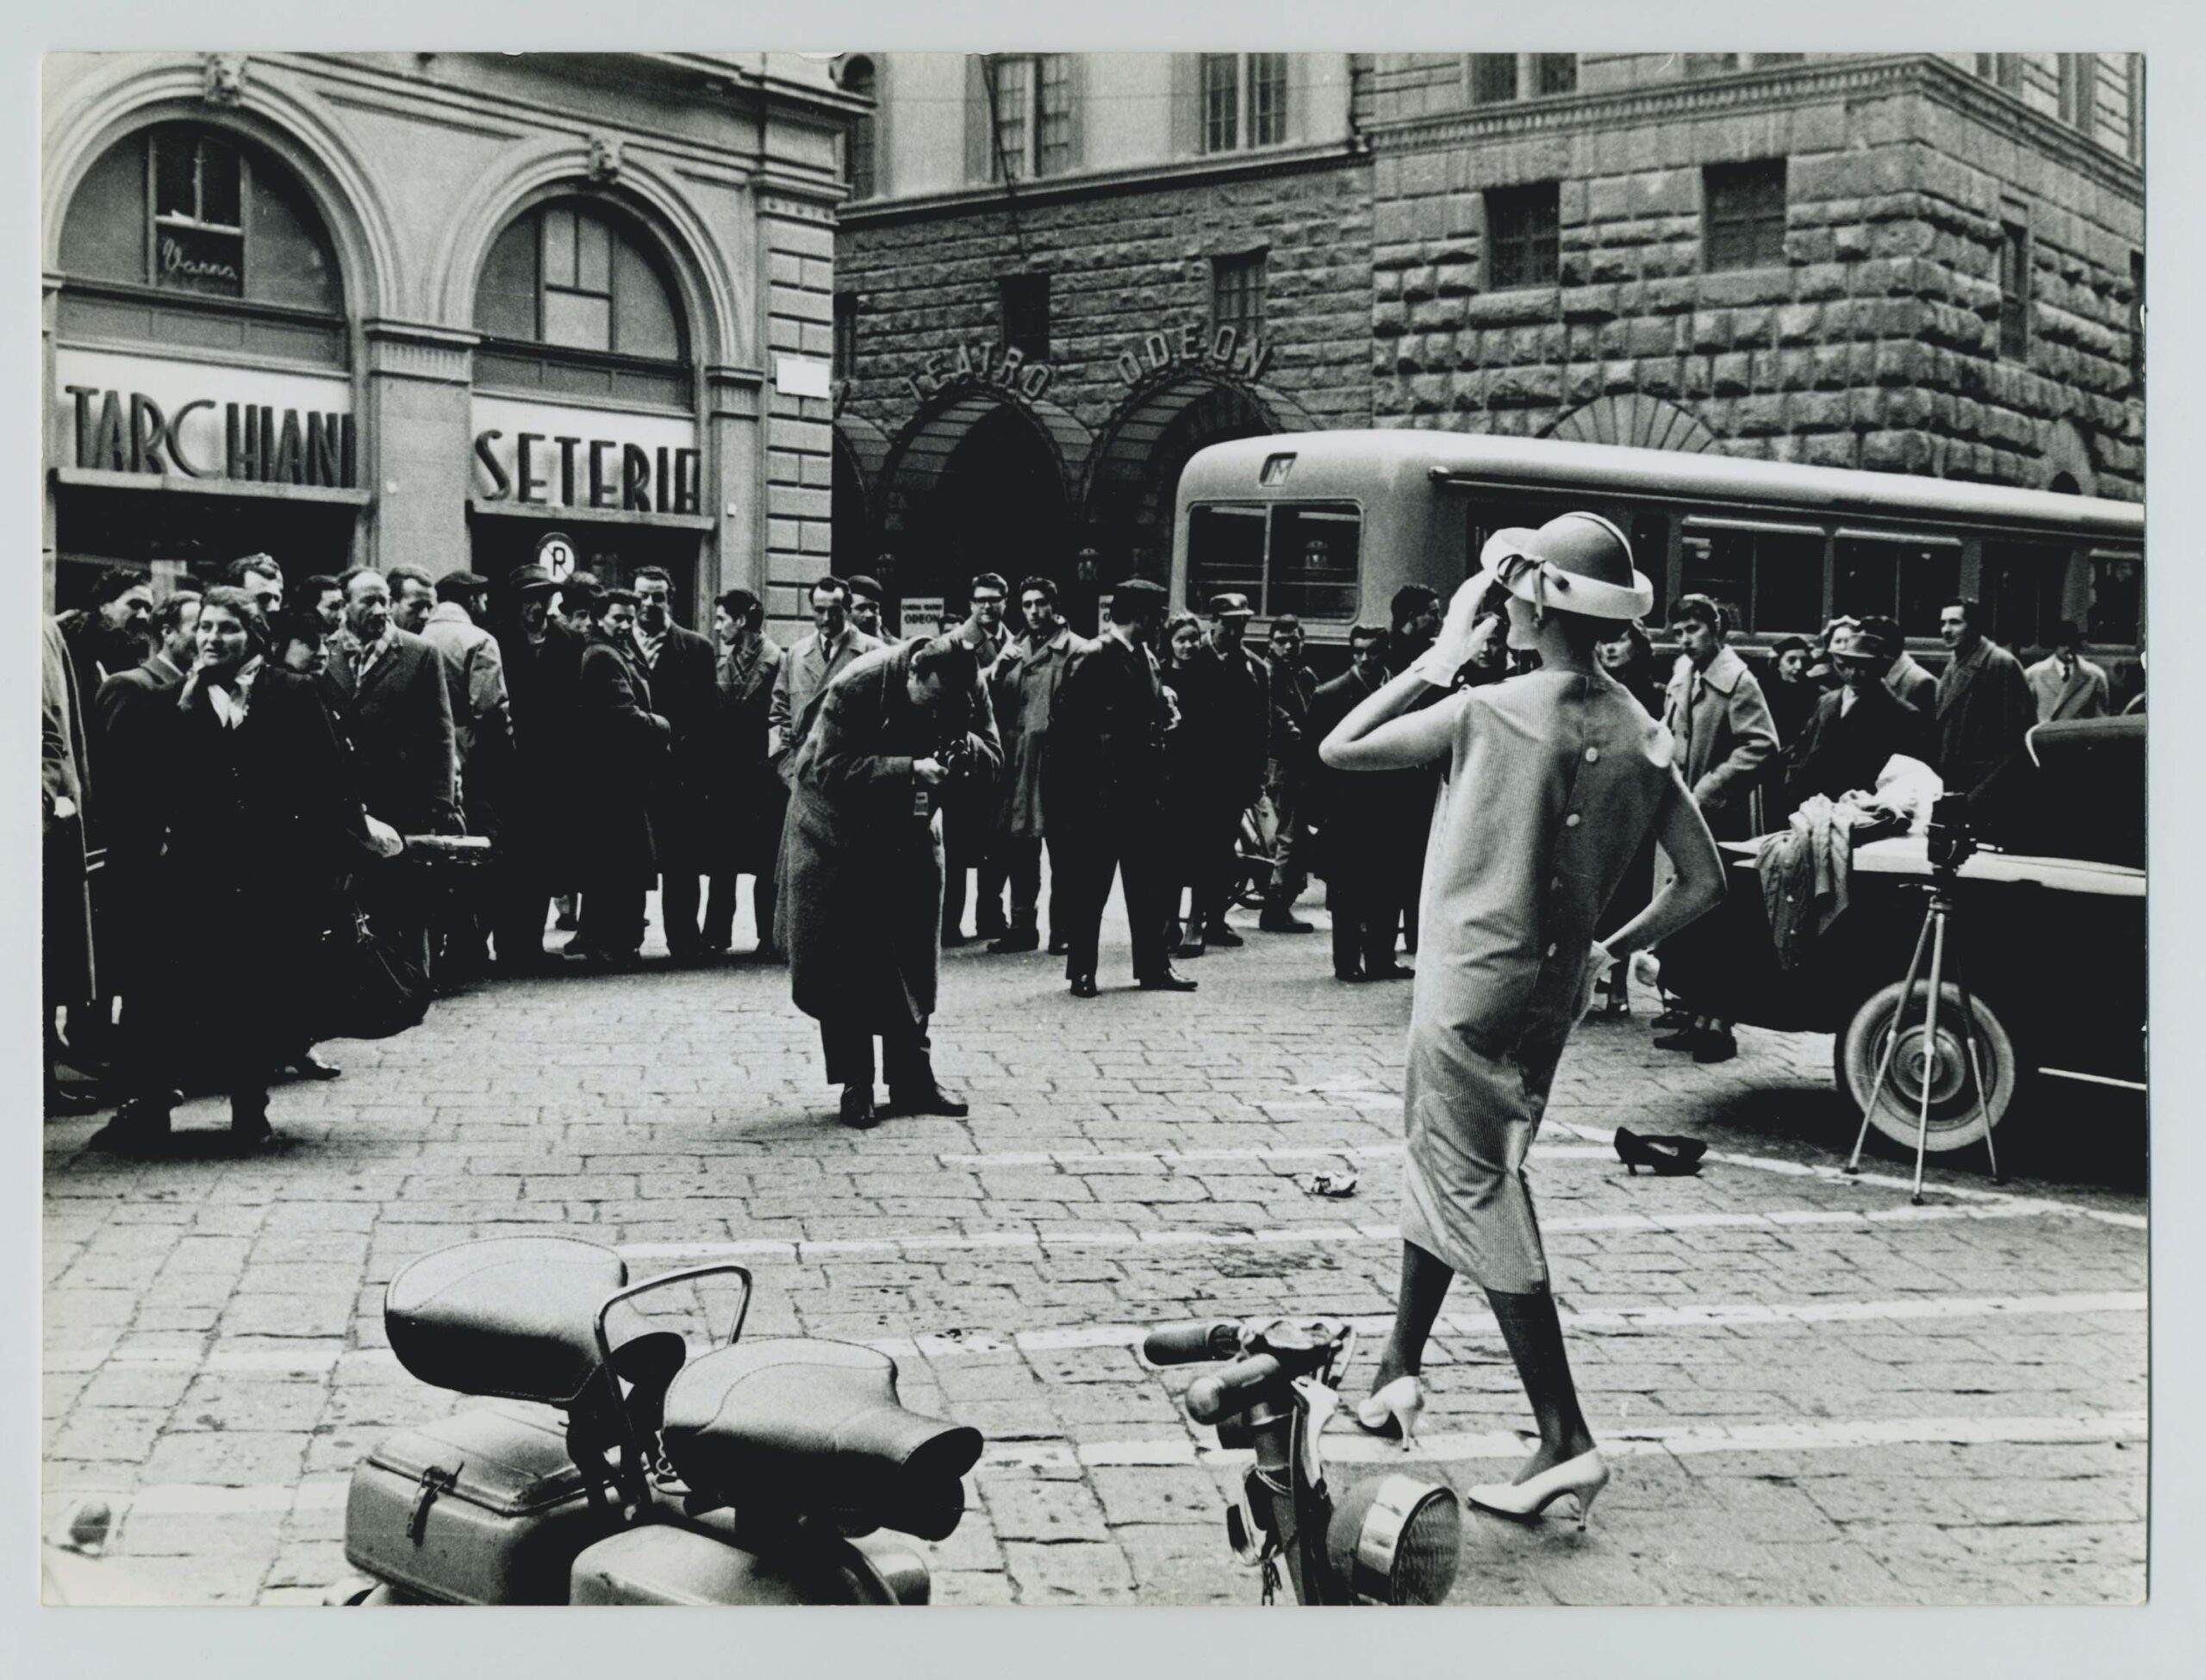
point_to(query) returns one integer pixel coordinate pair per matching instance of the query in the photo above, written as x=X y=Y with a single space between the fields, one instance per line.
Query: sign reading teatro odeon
x=1001 y=367
x=1193 y=345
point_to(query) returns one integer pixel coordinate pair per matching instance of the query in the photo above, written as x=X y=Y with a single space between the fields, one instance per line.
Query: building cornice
x=1091 y=184
x=1777 y=88
x=419 y=350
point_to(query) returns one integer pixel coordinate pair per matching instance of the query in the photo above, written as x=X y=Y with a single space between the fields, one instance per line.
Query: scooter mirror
x=1395 y=1540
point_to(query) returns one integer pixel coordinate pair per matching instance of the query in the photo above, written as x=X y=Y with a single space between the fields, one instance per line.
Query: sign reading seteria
x=538 y=455
x=143 y=415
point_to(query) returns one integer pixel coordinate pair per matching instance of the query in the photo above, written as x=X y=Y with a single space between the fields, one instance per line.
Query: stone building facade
x=453 y=309
x=1918 y=263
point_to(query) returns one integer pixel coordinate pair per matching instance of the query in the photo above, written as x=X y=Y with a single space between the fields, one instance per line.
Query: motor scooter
x=1393 y=1539
x=621 y=1470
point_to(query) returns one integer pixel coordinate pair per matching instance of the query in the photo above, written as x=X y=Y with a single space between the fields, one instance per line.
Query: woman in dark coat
x=261 y=825
x=861 y=893
x=1184 y=805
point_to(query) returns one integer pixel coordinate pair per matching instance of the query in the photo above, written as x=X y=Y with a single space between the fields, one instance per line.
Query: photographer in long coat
x=862 y=865
x=685 y=691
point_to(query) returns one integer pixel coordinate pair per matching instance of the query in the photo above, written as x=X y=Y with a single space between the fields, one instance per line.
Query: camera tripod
x=1945 y=875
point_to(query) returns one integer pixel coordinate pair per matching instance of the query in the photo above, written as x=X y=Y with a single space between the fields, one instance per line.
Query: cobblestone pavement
x=1813 y=1392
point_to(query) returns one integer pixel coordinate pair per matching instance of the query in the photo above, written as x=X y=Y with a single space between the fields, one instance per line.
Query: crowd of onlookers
x=232 y=775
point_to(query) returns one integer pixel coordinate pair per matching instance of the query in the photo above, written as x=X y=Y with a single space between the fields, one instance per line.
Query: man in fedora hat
x=1854 y=732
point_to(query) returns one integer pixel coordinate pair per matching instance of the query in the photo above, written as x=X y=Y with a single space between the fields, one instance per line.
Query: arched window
x=574 y=299
x=859 y=145
x=180 y=223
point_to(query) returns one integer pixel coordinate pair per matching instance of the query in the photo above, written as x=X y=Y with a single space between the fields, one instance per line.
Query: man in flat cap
x=1855 y=732
x=1103 y=792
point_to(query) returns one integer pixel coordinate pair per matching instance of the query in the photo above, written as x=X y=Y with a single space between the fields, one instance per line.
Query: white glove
x=385 y=839
x=1438 y=663
x=1596 y=964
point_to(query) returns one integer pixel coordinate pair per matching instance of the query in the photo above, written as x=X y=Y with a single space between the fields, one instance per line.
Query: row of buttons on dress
x=1592 y=756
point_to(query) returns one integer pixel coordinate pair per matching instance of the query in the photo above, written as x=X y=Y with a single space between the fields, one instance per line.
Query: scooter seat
x=513 y=1317
x=815 y=1429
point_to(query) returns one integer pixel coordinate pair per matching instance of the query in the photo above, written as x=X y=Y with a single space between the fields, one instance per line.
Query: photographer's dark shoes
x=859 y=1111
x=929 y=1099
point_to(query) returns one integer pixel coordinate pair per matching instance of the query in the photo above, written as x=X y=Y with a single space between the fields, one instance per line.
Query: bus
x=1327 y=526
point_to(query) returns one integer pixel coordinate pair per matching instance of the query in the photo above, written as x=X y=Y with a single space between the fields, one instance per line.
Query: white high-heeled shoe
x=1393 y=1409
x=1583 y=1476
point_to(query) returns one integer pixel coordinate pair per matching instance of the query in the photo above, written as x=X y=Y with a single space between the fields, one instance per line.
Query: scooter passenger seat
x=513 y=1317
x=814 y=1428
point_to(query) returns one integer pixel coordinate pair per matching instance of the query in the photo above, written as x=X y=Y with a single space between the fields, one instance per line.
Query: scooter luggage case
x=485 y=1507
x=662 y=1564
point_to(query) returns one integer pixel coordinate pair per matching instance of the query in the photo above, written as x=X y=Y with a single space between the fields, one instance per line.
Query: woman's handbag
x=368 y=990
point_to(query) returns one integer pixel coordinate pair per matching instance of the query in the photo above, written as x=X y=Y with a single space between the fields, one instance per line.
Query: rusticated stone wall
x=1874 y=343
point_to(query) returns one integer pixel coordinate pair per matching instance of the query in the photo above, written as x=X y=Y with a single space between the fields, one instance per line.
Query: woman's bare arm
x=1695 y=888
x=1378 y=736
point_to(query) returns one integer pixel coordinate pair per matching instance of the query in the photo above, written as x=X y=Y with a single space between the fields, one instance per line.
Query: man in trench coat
x=1023 y=687
x=2064 y=683
x=685 y=691
x=861 y=863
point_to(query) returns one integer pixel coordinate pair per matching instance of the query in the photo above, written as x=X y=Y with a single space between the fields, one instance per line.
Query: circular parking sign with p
x=556 y=554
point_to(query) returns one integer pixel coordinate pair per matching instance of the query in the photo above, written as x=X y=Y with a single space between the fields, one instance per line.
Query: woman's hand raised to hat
x=1449 y=650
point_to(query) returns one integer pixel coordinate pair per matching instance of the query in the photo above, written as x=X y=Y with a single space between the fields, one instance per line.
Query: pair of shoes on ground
x=141 y=1126
x=860 y=1112
x=1670 y=1157
x=1167 y=979
x=1393 y=971
x=1284 y=921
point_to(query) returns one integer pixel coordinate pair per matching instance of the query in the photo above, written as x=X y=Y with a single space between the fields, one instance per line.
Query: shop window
x=1908 y=579
x=2014 y=290
x=1746 y=214
x=1237 y=296
x=575 y=279
x=1300 y=557
x=844 y=357
x=203 y=217
x=1494 y=78
x=1030 y=101
x=1024 y=302
x=2117 y=607
x=859 y=140
x=1243 y=100
x=1521 y=235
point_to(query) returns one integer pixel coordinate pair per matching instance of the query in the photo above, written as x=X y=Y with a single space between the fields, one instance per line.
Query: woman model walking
x=1553 y=779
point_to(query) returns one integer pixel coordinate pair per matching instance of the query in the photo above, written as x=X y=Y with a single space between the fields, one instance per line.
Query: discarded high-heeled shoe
x=1583 y=1477
x=1392 y=1411
x=1670 y=1157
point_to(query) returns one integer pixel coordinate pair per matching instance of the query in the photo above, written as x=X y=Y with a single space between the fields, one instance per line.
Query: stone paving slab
x=1815 y=1392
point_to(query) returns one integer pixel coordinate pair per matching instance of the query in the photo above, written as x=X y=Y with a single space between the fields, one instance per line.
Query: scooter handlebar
x=1191 y=1344
x=1232 y=1389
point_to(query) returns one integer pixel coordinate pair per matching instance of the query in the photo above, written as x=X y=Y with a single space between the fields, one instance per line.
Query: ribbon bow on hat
x=1575 y=562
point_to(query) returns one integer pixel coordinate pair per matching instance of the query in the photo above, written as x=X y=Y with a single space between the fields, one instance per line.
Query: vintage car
x=2047 y=930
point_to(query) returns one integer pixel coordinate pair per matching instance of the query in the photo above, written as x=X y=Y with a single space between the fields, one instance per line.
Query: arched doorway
x=860 y=448
x=979 y=484
x=1134 y=481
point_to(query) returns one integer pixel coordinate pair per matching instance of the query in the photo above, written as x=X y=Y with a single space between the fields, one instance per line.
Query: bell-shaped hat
x=1575 y=562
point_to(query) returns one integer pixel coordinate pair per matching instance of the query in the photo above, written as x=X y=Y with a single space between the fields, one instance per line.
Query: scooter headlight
x=1394 y=1541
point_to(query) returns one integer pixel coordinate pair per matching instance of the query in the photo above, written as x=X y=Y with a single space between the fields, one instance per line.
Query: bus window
x=1315 y=553
x=2117 y=596
x=1908 y=578
x=1788 y=582
x=2023 y=586
x=1226 y=551
x=1650 y=552
x=1487 y=516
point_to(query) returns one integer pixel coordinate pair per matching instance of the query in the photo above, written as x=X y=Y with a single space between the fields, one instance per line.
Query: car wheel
x=1957 y=1120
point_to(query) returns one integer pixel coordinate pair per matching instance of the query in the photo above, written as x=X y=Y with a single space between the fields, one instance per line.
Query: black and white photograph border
x=1807 y=1368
